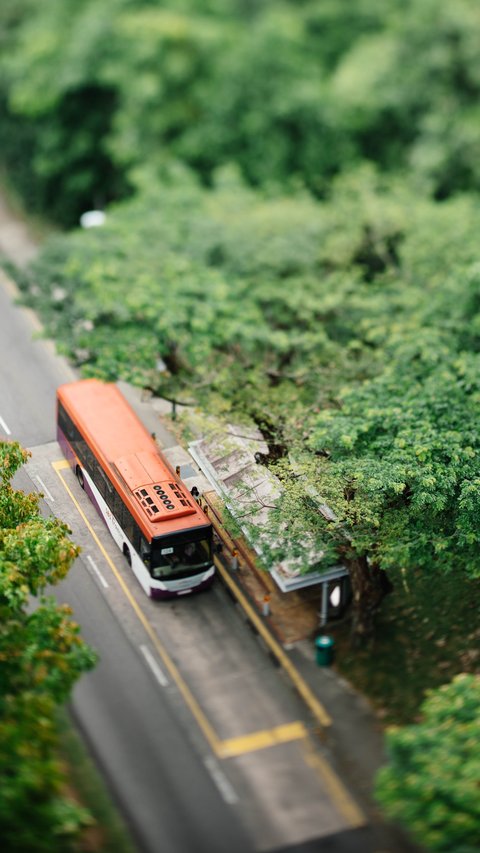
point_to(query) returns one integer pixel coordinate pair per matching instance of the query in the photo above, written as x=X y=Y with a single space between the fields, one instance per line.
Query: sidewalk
x=288 y=622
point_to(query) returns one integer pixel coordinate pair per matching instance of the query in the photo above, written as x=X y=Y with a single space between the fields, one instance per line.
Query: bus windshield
x=180 y=559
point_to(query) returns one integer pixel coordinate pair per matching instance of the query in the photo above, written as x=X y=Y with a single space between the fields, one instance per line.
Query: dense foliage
x=346 y=330
x=431 y=784
x=291 y=92
x=41 y=655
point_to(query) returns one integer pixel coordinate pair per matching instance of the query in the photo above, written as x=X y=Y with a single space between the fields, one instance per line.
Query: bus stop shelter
x=228 y=459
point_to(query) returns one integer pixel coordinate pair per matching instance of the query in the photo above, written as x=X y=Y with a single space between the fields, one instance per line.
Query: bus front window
x=182 y=559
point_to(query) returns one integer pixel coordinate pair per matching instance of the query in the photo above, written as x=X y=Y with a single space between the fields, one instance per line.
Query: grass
x=427 y=632
x=108 y=833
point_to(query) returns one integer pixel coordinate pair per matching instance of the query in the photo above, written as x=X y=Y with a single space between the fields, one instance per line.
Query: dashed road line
x=154 y=666
x=44 y=489
x=223 y=784
x=97 y=572
x=4 y=426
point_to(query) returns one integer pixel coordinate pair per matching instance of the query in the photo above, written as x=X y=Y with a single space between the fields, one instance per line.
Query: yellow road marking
x=60 y=465
x=257 y=740
x=260 y=740
x=307 y=695
x=189 y=699
x=338 y=793
x=336 y=790
x=223 y=749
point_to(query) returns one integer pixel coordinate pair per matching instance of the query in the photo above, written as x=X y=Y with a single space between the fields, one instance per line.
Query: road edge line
x=299 y=683
x=188 y=697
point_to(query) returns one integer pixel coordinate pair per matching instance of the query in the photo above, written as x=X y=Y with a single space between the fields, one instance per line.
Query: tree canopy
x=431 y=783
x=42 y=655
x=353 y=347
x=293 y=93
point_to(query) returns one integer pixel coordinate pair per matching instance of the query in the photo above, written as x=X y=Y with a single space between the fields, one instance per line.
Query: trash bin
x=324 y=650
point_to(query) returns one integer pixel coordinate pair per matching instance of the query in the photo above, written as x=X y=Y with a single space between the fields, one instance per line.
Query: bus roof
x=130 y=457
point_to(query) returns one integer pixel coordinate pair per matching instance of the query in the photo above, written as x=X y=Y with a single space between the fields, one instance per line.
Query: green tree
x=346 y=330
x=41 y=655
x=291 y=93
x=432 y=780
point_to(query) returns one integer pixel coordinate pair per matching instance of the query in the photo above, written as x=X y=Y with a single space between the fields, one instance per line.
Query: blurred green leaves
x=41 y=657
x=292 y=94
x=432 y=779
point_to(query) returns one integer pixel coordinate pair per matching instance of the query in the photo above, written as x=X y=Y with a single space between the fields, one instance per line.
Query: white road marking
x=97 y=572
x=224 y=786
x=44 y=489
x=154 y=666
x=4 y=426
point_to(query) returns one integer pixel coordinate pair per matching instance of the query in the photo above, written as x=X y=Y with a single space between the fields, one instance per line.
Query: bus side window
x=99 y=479
x=89 y=459
x=64 y=421
x=144 y=551
x=136 y=536
x=79 y=444
x=109 y=493
x=128 y=525
x=82 y=450
x=117 y=506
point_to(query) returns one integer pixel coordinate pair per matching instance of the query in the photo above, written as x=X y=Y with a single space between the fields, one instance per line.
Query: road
x=202 y=742
x=167 y=794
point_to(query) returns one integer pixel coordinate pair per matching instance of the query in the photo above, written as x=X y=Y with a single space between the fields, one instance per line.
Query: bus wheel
x=128 y=556
x=79 y=474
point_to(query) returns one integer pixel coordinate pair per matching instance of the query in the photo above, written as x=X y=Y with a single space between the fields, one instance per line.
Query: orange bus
x=163 y=533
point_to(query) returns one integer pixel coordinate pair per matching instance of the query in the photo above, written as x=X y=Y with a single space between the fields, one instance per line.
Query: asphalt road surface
x=166 y=792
